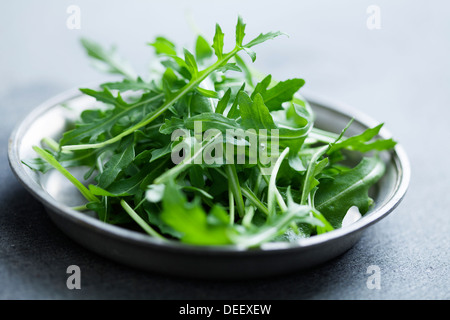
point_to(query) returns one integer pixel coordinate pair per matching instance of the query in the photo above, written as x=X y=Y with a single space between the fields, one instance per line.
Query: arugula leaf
x=255 y=115
x=222 y=104
x=163 y=46
x=191 y=220
x=240 y=31
x=234 y=112
x=115 y=165
x=350 y=188
x=190 y=63
x=101 y=122
x=263 y=37
x=218 y=42
x=362 y=142
x=129 y=85
x=108 y=61
x=283 y=91
x=107 y=97
x=203 y=50
x=314 y=168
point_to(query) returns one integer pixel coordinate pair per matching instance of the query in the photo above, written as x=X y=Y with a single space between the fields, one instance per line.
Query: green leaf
x=240 y=31
x=48 y=157
x=218 y=42
x=207 y=93
x=154 y=218
x=115 y=165
x=139 y=181
x=234 y=186
x=362 y=142
x=161 y=152
x=234 y=112
x=261 y=87
x=314 y=168
x=98 y=191
x=201 y=101
x=223 y=103
x=255 y=115
x=190 y=219
x=163 y=46
x=263 y=37
x=282 y=92
x=129 y=85
x=171 y=124
x=37 y=164
x=203 y=49
x=292 y=117
x=229 y=67
x=210 y=120
x=101 y=122
x=108 y=60
x=350 y=188
x=191 y=63
x=251 y=53
x=196 y=176
x=107 y=97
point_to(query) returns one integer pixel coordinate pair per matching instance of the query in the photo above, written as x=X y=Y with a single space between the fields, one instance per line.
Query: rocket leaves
x=205 y=151
x=350 y=188
x=108 y=60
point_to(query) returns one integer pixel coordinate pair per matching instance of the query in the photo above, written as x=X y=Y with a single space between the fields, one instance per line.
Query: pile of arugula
x=127 y=146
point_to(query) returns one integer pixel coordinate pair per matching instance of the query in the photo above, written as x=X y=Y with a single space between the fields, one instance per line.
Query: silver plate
x=230 y=262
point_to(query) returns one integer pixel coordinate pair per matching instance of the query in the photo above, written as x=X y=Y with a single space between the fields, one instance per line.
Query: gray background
x=399 y=74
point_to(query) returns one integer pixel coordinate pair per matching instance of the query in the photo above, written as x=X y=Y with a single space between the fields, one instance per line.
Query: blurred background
x=330 y=44
x=390 y=59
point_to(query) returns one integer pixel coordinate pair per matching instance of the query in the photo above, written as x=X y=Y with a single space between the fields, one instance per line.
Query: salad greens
x=208 y=152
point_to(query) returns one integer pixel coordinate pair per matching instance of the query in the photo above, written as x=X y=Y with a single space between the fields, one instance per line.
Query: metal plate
x=229 y=262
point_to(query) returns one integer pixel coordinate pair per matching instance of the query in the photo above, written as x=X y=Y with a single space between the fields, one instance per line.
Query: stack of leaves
x=303 y=188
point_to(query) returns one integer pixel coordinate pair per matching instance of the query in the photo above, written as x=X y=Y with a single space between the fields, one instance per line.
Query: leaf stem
x=273 y=192
x=233 y=183
x=144 y=225
x=52 y=144
x=231 y=205
x=251 y=196
x=310 y=173
x=55 y=164
x=79 y=208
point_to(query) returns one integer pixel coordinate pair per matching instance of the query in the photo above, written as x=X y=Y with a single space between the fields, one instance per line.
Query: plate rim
x=398 y=154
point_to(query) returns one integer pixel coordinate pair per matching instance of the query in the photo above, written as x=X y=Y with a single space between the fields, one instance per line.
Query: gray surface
x=399 y=74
